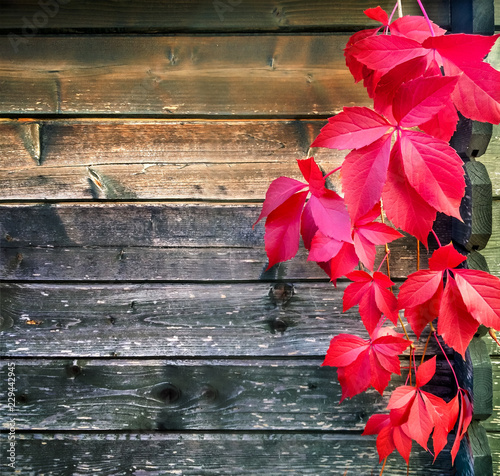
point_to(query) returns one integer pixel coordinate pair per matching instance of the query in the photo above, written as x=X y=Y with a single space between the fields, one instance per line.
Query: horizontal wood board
x=235 y=320
x=244 y=75
x=214 y=454
x=152 y=242
x=195 y=16
x=143 y=394
x=492 y=250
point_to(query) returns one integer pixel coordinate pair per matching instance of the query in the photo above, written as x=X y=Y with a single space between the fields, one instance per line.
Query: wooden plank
x=492 y=160
x=494 y=441
x=194 y=16
x=176 y=320
x=247 y=75
x=492 y=423
x=169 y=395
x=152 y=242
x=233 y=454
x=96 y=142
x=492 y=250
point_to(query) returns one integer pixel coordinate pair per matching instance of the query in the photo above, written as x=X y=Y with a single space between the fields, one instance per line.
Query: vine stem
x=426 y=17
x=418 y=255
x=437 y=239
x=383 y=466
x=332 y=172
x=445 y=356
x=400 y=9
x=426 y=345
x=386 y=30
x=387 y=250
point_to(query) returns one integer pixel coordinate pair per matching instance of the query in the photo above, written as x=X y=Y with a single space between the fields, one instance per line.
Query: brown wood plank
x=151 y=242
x=78 y=394
x=246 y=75
x=176 y=320
x=198 y=15
x=214 y=454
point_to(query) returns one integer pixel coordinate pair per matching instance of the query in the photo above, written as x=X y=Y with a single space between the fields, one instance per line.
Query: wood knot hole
x=281 y=293
x=74 y=370
x=209 y=393
x=169 y=394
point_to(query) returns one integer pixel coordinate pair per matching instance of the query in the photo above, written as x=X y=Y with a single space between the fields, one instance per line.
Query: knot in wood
x=169 y=394
x=281 y=293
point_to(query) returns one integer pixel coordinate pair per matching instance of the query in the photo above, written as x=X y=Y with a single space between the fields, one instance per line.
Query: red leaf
x=357 y=69
x=330 y=215
x=312 y=173
x=446 y=257
x=308 y=227
x=443 y=124
x=418 y=317
x=420 y=99
x=434 y=170
x=420 y=422
x=480 y=292
x=353 y=128
x=280 y=190
x=415 y=28
x=477 y=95
x=377 y=14
x=378 y=233
x=373 y=297
x=282 y=229
x=425 y=372
x=357 y=364
x=455 y=323
x=364 y=172
x=390 y=82
x=403 y=205
x=323 y=248
x=382 y=53
x=343 y=263
x=462 y=48
x=464 y=420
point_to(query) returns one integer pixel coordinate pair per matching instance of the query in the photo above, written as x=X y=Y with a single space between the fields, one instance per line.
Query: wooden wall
x=137 y=141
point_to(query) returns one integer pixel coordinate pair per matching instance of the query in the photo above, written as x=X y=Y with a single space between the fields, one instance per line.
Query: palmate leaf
x=363 y=363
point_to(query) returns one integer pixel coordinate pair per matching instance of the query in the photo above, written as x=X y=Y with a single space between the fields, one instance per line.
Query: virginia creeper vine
x=418 y=78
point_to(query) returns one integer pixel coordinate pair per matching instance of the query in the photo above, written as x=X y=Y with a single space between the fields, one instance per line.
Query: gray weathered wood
x=215 y=454
x=493 y=422
x=492 y=250
x=194 y=16
x=157 y=320
x=167 y=395
x=249 y=75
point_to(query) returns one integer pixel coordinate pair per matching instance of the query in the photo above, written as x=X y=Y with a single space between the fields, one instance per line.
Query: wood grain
x=214 y=454
x=169 y=395
x=152 y=242
x=176 y=320
x=492 y=250
x=493 y=422
x=245 y=75
x=194 y=16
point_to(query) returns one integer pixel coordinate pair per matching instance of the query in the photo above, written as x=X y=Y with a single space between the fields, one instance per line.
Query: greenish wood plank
x=494 y=441
x=233 y=454
x=169 y=395
x=244 y=75
x=176 y=320
x=492 y=251
x=492 y=423
x=194 y=16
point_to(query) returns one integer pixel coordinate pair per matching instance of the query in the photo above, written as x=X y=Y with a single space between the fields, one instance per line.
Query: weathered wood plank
x=248 y=75
x=73 y=142
x=279 y=394
x=492 y=423
x=233 y=454
x=151 y=242
x=492 y=160
x=157 y=320
x=494 y=441
x=492 y=250
x=194 y=16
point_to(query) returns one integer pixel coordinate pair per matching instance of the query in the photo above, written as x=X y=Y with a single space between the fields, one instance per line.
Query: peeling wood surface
x=193 y=75
x=194 y=16
x=215 y=454
x=166 y=320
x=169 y=395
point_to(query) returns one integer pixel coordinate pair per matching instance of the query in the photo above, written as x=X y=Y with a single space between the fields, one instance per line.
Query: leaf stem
x=436 y=237
x=387 y=252
x=418 y=255
x=390 y=18
x=383 y=466
x=426 y=17
x=446 y=357
x=332 y=172
x=426 y=345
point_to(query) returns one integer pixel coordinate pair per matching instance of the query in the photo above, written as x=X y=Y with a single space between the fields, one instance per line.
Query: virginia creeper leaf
x=363 y=176
x=377 y=14
x=353 y=128
x=414 y=27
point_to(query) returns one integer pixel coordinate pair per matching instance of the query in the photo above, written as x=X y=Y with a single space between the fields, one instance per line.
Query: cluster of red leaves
x=418 y=78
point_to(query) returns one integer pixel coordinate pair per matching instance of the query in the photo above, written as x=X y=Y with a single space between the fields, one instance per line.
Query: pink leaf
x=425 y=372
x=420 y=99
x=434 y=170
x=415 y=28
x=323 y=248
x=363 y=176
x=377 y=14
x=331 y=217
x=353 y=128
x=443 y=125
x=280 y=190
x=343 y=263
x=282 y=229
